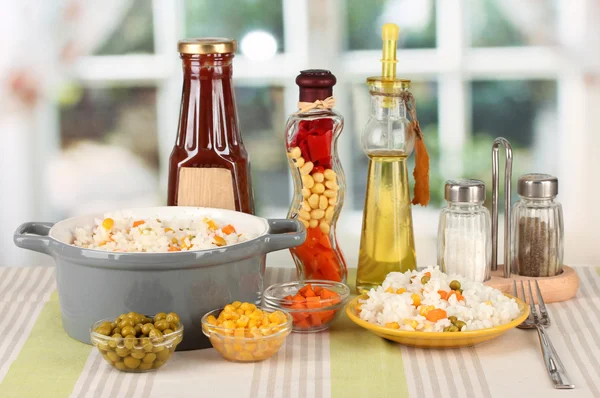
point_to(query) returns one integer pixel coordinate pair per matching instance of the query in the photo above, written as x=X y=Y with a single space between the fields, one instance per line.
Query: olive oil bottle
x=387 y=240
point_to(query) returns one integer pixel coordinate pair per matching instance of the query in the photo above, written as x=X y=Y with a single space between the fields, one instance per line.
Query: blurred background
x=90 y=92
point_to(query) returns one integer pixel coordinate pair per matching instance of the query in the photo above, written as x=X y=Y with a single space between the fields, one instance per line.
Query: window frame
x=453 y=63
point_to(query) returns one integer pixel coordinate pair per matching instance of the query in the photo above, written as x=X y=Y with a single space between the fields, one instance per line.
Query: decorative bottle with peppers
x=209 y=165
x=319 y=184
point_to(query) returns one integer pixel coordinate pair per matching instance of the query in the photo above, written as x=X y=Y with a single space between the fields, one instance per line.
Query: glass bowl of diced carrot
x=313 y=304
x=242 y=332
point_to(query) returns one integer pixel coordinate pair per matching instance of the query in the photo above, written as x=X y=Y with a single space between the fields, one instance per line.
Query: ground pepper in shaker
x=464 y=233
x=537 y=245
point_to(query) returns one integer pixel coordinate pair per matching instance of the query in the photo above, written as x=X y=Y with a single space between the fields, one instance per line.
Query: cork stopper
x=315 y=84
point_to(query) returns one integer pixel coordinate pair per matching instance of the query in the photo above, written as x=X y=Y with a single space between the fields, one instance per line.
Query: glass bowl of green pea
x=137 y=343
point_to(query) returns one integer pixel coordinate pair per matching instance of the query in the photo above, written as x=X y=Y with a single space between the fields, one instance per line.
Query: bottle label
x=206 y=187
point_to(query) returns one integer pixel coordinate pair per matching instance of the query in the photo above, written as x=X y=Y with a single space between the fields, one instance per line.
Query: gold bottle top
x=388 y=81
x=207 y=45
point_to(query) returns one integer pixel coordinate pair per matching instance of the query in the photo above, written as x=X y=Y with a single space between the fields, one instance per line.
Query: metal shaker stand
x=554 y=288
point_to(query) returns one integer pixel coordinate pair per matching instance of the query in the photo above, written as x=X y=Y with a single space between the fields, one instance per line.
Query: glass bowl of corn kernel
x=243 y=332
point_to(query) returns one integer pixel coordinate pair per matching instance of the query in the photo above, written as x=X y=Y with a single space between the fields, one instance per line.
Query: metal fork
x=554 y=365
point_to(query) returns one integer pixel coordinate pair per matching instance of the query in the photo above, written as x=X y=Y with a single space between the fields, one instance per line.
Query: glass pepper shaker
x=319 y=183
x=537 y=227
x=464 y=233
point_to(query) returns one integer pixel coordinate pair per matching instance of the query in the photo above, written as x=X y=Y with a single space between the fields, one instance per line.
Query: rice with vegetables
x=126 y=234
x=431 y=301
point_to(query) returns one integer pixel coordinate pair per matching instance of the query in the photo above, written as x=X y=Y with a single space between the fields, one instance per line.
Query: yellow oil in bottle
x=387 y=241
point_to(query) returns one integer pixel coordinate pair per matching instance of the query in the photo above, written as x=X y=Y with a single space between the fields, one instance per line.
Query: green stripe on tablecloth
x=49 y=363
x=597 y=270
x=362 y=364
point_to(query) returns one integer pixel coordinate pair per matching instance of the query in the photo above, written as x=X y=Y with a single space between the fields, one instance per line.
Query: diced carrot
x=443 y=294
x=228 y=229
x=428 y=274
x=289 y=297
x=138 y=223
x=315 y=319
x=298 y=298
x=174 y=249
x=435 y=315
x=299 y=316
x=297 y=305
x=327 y=316
x=303 y=324
x=313 y=302
x=309 y=293
x=317 y=290
x=459 y=296
x=305 y=289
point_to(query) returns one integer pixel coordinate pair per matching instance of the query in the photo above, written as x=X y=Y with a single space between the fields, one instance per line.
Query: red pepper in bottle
x=319 y=180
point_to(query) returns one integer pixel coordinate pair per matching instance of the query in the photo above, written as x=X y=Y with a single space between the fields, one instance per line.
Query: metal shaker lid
x=464 y=191
x=538 y=186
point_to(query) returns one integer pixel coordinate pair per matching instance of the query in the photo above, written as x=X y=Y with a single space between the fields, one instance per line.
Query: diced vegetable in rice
x=424 y=301
x=125 y=234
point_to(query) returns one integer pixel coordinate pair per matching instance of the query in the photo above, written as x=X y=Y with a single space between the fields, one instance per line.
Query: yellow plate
x=436 y=339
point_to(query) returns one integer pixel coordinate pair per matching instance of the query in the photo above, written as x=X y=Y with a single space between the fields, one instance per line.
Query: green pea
x=425 y=279
x=145 y=366
x=138 y=329
x=160 y=316
x=138 y=355
x=459 y=325
x=117 y=330
x=104 y=330
x=103 y=347
x=126 y=322
x=173 y=318
x=167 y=331
x=162 y=325
x=451 y=329
x=147 y=328
x=452 y=319
x=149 y=357
x=156 y=336
x=131 y=362
x=455 y=285
x=157 y=349
x=113 y=356
x=130 y=342
x=158 y=364
x=120 y=365
x=163 y=355
x=122 y=351
x=114 y=340
x=128 y=331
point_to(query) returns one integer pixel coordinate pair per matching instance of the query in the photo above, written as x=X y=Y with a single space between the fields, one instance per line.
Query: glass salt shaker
x=464 y=242
x=537 y=227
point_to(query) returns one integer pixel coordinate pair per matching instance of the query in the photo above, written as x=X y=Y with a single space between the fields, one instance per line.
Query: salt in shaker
x=464 y=233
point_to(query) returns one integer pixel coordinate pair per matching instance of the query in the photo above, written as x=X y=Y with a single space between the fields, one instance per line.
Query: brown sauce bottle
x=209 y=165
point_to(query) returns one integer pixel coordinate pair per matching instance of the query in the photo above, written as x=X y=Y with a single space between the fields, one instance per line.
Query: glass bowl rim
x=287 y=326
x=279 y=302
x=95 y=335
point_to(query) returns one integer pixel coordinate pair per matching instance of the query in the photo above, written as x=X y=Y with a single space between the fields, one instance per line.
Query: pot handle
x=33 y=236
x=283 y=234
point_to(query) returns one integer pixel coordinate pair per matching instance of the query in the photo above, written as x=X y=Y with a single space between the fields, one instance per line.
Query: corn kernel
x=108 y=223
x=412 y=323
x=229 y=308
x=265 y=330
x=401 y=290
x=240 y=311
x=225 y=315
x=425 y=309
x=239 y=332
x=211 y=320
x=273 y=318
x=416 y=299
x=243 y=321
x=236 y=304
x=488 y=302
x=250 y=346
x=245 y=356
x=392 y=325
x=248 y=312
x=265 y=321
x=256 y=315
x=252 y=323
x=229 y=325
x=247 y=306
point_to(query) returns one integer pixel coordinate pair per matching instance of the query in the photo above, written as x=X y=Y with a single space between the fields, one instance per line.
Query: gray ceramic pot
x=96 y=284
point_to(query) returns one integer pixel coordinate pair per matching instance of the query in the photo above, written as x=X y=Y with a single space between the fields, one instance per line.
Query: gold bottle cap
x=207 y=45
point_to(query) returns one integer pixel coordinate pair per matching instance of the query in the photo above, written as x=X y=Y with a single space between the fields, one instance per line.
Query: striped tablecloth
x=37 y=359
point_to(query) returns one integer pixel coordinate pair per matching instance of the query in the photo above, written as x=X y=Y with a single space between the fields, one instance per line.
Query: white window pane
x=498 y=23
x=262 y=122
x=416 y=19
x=235 y=19
x=109 y=156
x=524 y=112
x=427 y=112
x=134 y=33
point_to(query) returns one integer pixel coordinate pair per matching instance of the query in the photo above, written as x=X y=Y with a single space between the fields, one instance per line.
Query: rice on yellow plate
x=431 y=309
